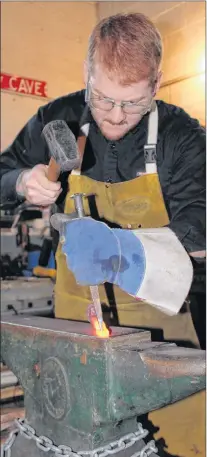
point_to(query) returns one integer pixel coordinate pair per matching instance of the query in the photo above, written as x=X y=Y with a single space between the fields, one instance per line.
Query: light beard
x=109 y=134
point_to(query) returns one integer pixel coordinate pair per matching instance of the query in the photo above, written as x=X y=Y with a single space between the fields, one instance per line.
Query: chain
x=46 y=444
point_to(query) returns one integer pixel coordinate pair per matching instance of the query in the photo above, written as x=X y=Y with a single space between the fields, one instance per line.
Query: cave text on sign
x=23 y=85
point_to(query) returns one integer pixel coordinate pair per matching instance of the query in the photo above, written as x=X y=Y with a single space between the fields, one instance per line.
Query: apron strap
x=150 y=148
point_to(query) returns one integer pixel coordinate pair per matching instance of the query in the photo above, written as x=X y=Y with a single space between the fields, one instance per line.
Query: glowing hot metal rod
x=78 y=201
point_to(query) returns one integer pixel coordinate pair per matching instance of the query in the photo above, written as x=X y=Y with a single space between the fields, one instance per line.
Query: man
x=137 y=175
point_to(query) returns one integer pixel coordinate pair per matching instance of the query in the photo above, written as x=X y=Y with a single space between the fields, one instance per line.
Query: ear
x=158 y=82
x=85 y=72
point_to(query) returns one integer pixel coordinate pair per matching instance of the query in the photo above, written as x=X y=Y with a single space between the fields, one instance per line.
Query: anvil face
x=82 y=390
x=77 y=330
x=65 y=326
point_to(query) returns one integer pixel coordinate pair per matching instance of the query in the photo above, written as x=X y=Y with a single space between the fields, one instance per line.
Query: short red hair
x=128 y=46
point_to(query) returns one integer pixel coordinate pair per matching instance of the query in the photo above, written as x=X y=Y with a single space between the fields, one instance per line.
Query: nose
x=117 y=115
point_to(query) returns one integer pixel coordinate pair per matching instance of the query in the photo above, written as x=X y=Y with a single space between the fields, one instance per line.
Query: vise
x=83 y=394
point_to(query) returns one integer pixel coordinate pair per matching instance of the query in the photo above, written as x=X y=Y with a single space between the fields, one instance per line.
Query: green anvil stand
x=85 y=392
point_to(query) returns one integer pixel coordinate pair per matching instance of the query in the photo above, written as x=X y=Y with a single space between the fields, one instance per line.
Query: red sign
x=23 y=85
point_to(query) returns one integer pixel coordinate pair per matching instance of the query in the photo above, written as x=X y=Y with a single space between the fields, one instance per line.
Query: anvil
x=83 y=391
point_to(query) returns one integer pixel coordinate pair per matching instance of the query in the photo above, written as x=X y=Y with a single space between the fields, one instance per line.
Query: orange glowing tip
x=105 y=332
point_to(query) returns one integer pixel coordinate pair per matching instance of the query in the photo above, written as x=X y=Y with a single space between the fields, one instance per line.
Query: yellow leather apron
x=130 y=204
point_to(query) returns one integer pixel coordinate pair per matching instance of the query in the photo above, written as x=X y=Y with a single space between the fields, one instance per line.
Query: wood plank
x=5 y=434
x=8 y=379
x=11 y=392
x=3 y=368
x=8 y=415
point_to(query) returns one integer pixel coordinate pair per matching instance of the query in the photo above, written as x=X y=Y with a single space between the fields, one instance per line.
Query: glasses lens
x=101 y=103
x=135 y=109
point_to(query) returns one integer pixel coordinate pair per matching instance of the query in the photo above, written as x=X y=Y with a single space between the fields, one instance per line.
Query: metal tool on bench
x=17 y=239
x=65 y=156
x=27 y=295
x=83 y=393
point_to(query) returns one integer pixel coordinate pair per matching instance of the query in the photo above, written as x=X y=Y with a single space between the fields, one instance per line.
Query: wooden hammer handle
x=53 y=171
x=81 y=143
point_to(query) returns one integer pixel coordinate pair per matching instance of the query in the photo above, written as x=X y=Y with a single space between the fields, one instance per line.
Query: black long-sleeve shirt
x=180 y=160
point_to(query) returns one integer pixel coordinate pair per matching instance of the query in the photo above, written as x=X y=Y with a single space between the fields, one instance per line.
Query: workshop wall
x=48 y=41
x=182 y=25
x=45 y=41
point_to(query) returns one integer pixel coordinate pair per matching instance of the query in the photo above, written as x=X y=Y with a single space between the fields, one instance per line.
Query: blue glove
x=97 y=254
x=132 y=263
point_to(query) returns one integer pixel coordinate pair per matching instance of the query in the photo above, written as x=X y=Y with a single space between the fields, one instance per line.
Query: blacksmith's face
x=116 y=108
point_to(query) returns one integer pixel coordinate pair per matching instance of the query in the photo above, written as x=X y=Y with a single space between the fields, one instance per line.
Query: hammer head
x=62 y=145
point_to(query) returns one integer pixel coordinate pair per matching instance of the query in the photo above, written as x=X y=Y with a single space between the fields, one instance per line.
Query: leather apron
x=137 y=203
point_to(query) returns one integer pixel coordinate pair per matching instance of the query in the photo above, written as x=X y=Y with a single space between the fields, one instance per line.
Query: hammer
x=66 y=155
